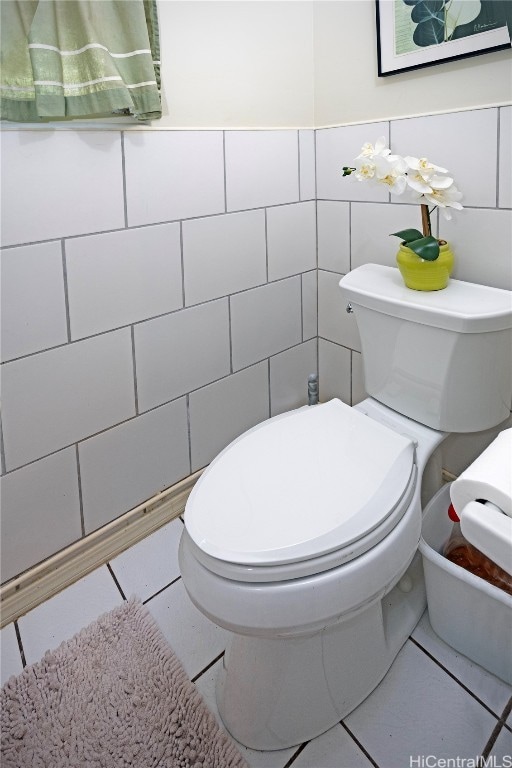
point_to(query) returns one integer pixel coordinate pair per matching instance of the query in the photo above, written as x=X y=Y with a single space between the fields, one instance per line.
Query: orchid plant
x=418 y=178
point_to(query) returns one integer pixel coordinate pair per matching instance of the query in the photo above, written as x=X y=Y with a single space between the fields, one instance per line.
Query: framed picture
x=420 y=33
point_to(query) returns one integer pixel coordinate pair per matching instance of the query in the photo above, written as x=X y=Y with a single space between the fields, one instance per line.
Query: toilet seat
x=250 y=514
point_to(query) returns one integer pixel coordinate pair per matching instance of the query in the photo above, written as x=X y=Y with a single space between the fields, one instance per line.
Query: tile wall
x=160 y=296
x=355 y=220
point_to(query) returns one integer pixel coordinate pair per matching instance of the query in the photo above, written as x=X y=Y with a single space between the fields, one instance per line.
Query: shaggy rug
x=114 y=696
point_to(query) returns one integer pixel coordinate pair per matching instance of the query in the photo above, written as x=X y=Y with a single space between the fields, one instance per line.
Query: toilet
x=301 y=537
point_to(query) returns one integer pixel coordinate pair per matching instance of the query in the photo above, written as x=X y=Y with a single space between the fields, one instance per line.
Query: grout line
x=116 y=582
x=3 y=467
x=298 y=164
x=189 y=431
x=66 y=291
x=224 y=167
x=20 y=644
x=123 y=176
x=182 y=256
x=453 y=677
x=269 y=390
x=230 y=333
x=497 y=729
x=80 y=492
x=134 y=364
x=265 y=211
x=363 y=750
x=498 y=137
x=296 y=754
x=208 y=666
x=159 y=592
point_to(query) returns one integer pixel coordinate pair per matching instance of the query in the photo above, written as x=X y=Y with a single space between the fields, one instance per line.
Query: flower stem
x=425 y=221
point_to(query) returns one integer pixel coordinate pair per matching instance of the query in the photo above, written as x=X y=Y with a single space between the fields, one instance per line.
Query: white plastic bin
x=468 y=613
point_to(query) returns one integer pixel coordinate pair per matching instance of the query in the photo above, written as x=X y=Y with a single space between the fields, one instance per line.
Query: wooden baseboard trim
x=46 y=579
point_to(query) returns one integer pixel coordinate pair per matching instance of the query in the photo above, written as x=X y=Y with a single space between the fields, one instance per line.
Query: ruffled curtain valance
x=63 y=59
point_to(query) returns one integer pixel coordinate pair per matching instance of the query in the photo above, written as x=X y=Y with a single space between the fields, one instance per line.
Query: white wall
x=348 y=89
x=236 y=64
x=301 y=63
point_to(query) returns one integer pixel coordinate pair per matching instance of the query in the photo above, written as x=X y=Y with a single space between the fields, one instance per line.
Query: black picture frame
x=412 y=34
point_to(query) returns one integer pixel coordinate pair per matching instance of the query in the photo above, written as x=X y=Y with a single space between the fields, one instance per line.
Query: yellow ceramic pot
x=422 y=275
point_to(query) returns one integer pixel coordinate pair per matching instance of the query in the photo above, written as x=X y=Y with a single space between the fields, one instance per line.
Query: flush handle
x=349 y=309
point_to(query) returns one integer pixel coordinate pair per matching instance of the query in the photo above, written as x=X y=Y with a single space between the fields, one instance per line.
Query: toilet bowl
x=301 y=537
x=297 y=572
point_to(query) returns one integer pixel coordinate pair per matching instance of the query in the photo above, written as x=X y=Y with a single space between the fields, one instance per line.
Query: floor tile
x=10 y=663
x=194 y=638
x=502 y=749
x=61 y=617
x=333 y=749
x=256 y=759
x=151 y=564
x=489 y=689
x=419 y=710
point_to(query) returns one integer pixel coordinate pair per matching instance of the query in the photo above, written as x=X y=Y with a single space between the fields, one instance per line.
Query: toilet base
x=274 y=693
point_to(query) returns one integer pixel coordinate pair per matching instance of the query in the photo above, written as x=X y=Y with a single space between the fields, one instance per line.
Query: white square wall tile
x=448 y=140
x=291 y=238
x=289 y=373
x=70 y=183
x=151 y=564
x=359 y=392
x=334 y=323
x=371 y=228
x=10 y=661
x=481 y=241
x=223 y=255
x=195 y=640
x=122 y=277
x=33 y=305
x=225 y=409
x=181 y=352
x=40 y=511
x=173 y=175
x=126 y=465
x=59 y=618
x=505 y=158
x=262 y=168
x=307 y=165
x=265 y=321
x=333 y=236
x=337 y=147
x=309 y=305
x=56 y=398
x=334 y=371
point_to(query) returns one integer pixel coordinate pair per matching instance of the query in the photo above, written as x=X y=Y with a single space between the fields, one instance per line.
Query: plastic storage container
x=468 y=613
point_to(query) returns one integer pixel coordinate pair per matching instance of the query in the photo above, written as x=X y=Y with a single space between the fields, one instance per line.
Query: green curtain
x=63 y=59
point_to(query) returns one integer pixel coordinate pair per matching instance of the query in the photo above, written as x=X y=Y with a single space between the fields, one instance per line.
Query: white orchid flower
x=364 y=169
x=390 y=170
x=424 y=167
x=445 y=198
x=374 y=150
x=422 y=185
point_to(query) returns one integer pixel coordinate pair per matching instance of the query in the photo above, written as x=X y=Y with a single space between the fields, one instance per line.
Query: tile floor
x=434 y=708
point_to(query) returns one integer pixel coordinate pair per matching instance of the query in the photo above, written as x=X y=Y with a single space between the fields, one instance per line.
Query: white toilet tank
x=443 y=358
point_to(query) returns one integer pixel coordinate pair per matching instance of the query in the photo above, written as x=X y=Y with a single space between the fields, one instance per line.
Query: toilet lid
x=299 y=485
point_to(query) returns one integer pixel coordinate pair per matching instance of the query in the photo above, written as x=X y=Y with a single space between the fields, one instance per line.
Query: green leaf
x=408 y=234
x=426 y=248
